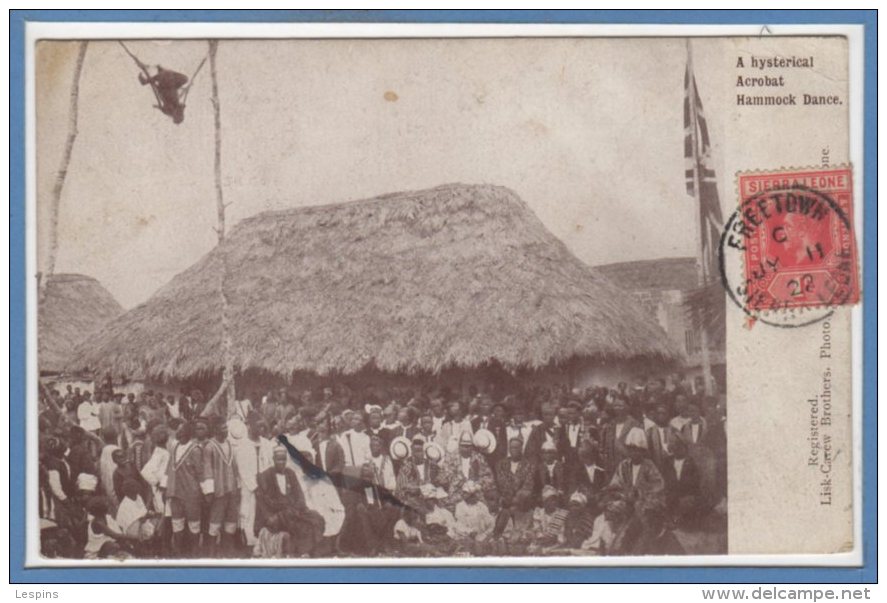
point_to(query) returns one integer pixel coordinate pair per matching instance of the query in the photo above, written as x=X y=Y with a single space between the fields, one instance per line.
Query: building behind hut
x=74 y=308
x=664 y=287
x=458 y=284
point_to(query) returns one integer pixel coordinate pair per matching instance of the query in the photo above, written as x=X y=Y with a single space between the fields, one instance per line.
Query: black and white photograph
x=381 y=299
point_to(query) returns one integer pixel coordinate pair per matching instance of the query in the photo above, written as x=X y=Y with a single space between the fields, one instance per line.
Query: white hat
x=579 y=498
x=399 y=448
x=433 y=452
x=549 y=491
x=470 y=487
x=485 y=440
x=432 y=491
x=466 y=438
x=636 y=438
x=371 y=408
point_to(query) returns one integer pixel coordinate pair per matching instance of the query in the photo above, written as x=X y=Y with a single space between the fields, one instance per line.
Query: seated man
x=637 y=476
x=516 y=485
x=579 y=523
x=470 y=465
x=281 y=507
x=473 y=519
x=549 y=520
x=135 y=520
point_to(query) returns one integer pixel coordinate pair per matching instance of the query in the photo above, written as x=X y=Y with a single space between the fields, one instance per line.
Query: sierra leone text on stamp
x=795 y=231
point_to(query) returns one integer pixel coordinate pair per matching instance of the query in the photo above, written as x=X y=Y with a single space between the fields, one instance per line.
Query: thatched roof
x=74 y=307
x=454 y=276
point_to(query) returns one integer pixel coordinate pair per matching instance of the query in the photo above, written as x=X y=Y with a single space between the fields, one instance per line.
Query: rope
x=184 y=93
x=144 y=69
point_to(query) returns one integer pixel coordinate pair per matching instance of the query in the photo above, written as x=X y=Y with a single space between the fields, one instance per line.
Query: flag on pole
x=700 y=176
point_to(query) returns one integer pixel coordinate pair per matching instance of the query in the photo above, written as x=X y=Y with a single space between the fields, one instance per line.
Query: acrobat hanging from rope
x=167 y=84
x=170 y=87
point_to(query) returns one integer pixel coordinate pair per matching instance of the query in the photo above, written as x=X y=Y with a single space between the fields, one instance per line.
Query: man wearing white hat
x=551 y=471
x=473 y=519
x=637 y=476
x=549 y=519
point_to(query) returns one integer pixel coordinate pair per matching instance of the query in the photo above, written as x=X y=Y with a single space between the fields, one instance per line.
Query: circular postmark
x=795 y=247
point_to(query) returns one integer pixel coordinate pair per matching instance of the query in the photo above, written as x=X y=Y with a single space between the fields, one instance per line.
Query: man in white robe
x=252 y=455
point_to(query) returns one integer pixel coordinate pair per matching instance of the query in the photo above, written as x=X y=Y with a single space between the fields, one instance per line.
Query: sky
x=587 y=131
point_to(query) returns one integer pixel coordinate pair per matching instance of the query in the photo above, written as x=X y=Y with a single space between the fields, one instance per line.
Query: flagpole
x=697 y=196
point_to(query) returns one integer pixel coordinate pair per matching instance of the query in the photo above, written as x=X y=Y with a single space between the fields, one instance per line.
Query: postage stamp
x=794 y=228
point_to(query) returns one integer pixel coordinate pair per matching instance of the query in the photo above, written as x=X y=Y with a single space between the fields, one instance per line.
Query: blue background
x=18 y=574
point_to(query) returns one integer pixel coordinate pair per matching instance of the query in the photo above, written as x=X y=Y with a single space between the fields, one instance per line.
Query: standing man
x=252 y=456
x=356 y=445
x=330 y=455
x=660 y=436
x=185 y=486
x=221 y=473
x=88 y=415
x=456 y=425
x=487 y=420
x=613 y=435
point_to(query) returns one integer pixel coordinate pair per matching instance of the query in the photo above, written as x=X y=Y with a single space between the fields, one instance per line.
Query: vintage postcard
x=549 y=299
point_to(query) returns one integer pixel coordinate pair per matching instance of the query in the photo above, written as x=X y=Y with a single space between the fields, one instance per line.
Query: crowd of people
x=337 y=472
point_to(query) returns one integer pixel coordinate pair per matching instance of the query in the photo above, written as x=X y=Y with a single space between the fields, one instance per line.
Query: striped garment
x=219 y=466
x=549 y=524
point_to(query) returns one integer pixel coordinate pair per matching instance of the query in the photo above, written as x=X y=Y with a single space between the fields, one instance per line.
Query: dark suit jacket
x=657 y=446
x=578 y=480
x=522 y=481
x=702 y=436
x=271 y=501
x=557 y=478
x=537 y=438
x=687 y=485
x=613 y=448
x=334 y=459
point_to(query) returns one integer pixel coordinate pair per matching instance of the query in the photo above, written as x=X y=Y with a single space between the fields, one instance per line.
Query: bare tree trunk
x=73 y=110
x=226 y=389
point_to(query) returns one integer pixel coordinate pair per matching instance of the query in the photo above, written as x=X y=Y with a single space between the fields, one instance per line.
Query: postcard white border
x=35 y=31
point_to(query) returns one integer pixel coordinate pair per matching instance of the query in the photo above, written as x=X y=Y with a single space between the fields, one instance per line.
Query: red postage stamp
x=799 y=248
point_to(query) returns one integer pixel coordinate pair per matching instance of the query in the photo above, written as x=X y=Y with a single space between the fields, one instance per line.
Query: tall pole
x=697 y=196
x=227 y=387
x=56 y=200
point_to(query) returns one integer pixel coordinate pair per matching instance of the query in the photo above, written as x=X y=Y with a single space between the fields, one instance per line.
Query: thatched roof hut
x=74 y=308
x=416 y=282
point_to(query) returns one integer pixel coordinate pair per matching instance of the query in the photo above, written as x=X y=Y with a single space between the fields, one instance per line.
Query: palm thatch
x=414 y=282
x=74 y=308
